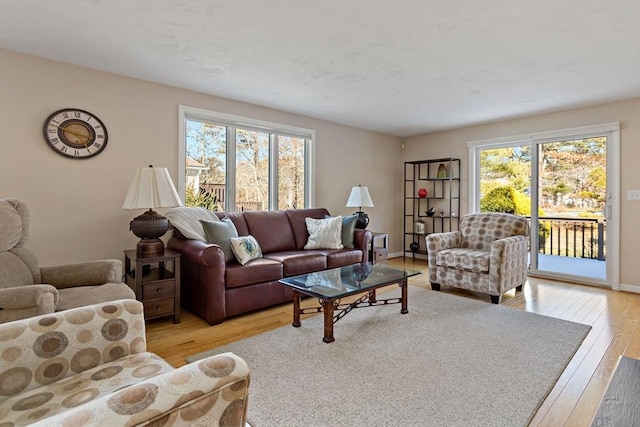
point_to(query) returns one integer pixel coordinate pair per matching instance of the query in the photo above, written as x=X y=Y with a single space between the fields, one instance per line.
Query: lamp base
x=362 y=221
x=150 y=247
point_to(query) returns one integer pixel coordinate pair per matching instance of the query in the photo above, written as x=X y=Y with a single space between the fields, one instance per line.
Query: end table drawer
x=158 y=307
x=380 y=255
x=158 y=289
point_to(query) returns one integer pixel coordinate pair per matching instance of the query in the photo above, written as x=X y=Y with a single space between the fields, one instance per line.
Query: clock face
x=74 y=133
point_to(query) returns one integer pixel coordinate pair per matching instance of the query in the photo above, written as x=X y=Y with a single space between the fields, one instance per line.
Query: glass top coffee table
x=330 y=286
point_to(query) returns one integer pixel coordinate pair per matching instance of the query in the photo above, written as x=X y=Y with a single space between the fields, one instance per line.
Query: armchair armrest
x=213 y=391
x=85 y=337
x=27 y=301
x=508 y=262
x=83 y=274
x=437 y=242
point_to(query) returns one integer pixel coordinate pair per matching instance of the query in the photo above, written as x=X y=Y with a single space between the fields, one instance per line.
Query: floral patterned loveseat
x=89 y=366
x=488 y=254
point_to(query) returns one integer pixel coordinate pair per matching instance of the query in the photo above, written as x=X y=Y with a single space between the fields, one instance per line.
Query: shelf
x=443 y=195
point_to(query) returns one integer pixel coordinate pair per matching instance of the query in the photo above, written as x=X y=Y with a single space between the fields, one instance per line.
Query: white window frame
x=233 y=121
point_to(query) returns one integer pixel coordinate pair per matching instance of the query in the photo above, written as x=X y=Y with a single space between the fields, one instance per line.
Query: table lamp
x=358 y=198
x=151 y=188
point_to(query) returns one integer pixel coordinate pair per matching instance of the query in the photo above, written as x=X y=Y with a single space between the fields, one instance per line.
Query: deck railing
x=573 y=237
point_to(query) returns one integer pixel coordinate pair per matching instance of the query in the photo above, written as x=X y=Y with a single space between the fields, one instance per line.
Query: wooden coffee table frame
x=334 y=310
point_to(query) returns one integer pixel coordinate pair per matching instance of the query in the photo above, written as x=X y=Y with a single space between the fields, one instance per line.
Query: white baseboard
x=630 y=288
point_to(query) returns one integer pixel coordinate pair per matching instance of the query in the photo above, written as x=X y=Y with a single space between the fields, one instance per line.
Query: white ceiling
x=400 y=67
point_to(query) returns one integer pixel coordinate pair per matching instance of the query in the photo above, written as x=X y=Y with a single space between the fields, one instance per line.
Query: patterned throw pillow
x=348 y=229
x=245 y=248
x=324 y=233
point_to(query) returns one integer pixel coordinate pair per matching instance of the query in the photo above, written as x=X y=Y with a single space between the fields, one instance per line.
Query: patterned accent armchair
x=488 y=254
x=89 y=366
x=26 y=289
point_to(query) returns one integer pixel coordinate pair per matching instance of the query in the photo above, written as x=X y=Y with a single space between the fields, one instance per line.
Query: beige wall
x=76 y=205
x=454 y=144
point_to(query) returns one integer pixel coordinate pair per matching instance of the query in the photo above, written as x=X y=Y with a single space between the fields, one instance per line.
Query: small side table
x=155 y=286
x=378 y=251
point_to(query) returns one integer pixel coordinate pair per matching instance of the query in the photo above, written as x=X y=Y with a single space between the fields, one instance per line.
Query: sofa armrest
x=437 y=242
x=212 y=391
x=202 y=270
x=80 y=338
x=83 y=274
x=27 y=301
x=362 y=240
x=508 y=262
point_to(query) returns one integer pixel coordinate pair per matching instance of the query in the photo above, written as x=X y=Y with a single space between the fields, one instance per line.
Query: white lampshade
x=151 y=188
x=359 y=197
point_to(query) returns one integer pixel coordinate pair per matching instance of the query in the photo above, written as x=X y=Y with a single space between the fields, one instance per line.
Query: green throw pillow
x=348 y=228
x=220 y=233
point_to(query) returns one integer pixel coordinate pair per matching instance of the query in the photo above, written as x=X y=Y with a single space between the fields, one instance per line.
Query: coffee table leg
x=403 y=286
x=327 y=309
x=296 y=309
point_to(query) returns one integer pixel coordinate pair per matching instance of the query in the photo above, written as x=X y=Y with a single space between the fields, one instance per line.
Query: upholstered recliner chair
x=488 y=254
x=28 y=290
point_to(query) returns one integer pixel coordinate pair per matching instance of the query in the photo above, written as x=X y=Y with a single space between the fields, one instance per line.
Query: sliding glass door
x=564 y=185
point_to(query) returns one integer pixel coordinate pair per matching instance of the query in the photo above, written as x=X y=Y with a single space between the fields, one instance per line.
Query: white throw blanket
x=187 y=221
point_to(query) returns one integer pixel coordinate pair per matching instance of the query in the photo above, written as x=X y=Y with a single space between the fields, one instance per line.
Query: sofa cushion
x=340 y=258
x=245 y=249
x=298 y=225
x=324 y=233
x=464 y=259
x=238 y=220
x=257 y=271
x=296 y=262
x=271 y=229
x=220 y=232
x=102 y=380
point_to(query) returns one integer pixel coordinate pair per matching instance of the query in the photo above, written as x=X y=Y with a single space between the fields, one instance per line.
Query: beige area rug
x=450 y=361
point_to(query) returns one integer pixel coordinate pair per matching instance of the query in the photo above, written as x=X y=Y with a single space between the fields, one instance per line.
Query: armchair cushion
x=464 y=259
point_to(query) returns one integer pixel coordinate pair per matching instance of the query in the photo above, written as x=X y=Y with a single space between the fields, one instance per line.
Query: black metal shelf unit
x=440 y=178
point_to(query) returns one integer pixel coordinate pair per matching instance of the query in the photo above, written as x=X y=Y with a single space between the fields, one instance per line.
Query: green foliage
x=506 y=199
x=203 y=200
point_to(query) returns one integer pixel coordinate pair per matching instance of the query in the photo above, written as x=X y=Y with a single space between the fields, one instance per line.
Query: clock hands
x=73 y=132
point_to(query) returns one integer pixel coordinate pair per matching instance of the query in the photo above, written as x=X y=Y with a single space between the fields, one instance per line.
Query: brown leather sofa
x=215 y=289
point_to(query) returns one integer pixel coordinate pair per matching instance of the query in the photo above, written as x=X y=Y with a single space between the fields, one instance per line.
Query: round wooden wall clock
x=75 y=133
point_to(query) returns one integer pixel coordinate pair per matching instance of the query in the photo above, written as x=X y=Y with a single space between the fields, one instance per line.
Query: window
x=235 y=163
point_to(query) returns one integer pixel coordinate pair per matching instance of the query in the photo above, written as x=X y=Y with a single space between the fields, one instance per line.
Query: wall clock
x=75 y=133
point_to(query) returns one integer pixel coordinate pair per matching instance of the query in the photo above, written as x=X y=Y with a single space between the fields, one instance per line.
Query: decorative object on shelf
x=75 y=133
x=422 y=193
x=414 y=246
x=419 y=227
x=431 y=211
x=358 y=198
x=442 y=213
x=151 y=188
x=442 y=171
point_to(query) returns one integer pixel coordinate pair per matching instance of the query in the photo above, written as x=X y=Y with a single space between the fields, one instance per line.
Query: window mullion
x=273 y=171
x=230 y=203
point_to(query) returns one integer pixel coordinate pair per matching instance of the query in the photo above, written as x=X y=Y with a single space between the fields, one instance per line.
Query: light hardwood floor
x=614 y=317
